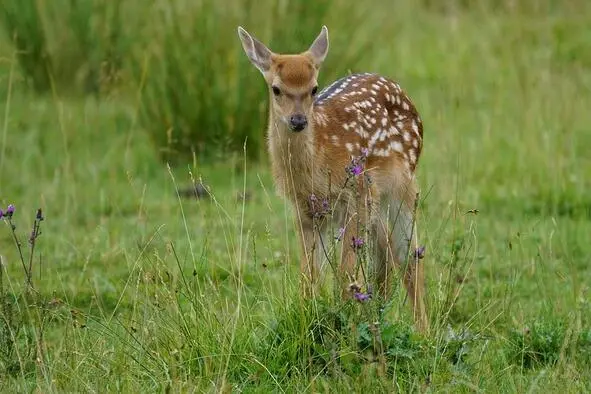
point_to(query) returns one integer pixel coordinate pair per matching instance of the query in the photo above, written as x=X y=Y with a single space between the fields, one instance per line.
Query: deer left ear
x=319 y=48
x=256 y=51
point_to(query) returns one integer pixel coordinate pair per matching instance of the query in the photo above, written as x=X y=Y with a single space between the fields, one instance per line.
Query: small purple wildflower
x=420 y=252
x=355 y=167
x=356 y=170
x=1 y=214
x=357 y=243
x=9 y=211
x=362 y=297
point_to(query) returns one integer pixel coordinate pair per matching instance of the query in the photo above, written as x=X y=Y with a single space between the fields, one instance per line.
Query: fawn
x=313 y=137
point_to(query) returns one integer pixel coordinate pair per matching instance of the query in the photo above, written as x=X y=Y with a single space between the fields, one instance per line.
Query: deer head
x=291 y=78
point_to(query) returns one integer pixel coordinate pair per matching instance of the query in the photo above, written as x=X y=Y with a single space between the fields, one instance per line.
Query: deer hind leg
x=394 y=250
x=384 y=260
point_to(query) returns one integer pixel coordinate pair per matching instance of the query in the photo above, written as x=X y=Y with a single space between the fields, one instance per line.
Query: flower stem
x=18 y=245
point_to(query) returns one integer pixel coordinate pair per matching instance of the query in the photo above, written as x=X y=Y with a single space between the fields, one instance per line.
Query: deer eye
x=314 y=90
x=276 y=91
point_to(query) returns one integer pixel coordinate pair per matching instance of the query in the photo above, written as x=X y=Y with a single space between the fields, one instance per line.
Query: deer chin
x=296 y=129
x=289 y=127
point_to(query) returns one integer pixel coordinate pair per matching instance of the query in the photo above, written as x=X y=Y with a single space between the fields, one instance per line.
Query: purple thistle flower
x=357 y=243
x=356 y=170
x=9 y=211
x=358 y=294
x=420 y=252
x=355 y=167
x=362 y=297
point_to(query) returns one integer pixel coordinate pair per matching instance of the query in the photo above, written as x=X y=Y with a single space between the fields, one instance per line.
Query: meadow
x=139 y=287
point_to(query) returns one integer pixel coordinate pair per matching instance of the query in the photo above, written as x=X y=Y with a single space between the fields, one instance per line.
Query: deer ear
x=319 y=47
x=256 y=51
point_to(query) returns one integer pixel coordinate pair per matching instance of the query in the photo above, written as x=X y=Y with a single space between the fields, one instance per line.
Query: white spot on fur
x=415 y=127
x=397 y=146
x=362 y=133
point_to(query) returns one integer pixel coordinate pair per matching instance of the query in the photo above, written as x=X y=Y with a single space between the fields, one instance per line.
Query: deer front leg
x=308 y=264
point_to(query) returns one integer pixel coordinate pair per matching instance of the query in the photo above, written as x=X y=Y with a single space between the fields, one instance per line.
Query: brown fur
x=293 y=70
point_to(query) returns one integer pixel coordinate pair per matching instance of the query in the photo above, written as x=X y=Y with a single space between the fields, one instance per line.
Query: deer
x=314 y=137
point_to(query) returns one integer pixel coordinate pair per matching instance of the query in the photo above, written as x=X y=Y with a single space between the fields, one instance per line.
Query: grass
x=143 y=290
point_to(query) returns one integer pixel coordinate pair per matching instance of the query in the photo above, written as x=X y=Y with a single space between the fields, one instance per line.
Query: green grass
x=141 y=290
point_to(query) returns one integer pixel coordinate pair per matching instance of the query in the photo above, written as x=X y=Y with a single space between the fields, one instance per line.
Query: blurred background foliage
x=181 y=65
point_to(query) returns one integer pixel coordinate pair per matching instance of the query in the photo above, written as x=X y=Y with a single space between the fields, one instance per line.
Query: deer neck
x=292 y=154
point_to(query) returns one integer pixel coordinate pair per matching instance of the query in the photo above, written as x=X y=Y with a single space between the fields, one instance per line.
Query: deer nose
x=298 y=122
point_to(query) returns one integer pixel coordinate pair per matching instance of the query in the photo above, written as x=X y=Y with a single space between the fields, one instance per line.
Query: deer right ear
x=256 y=51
